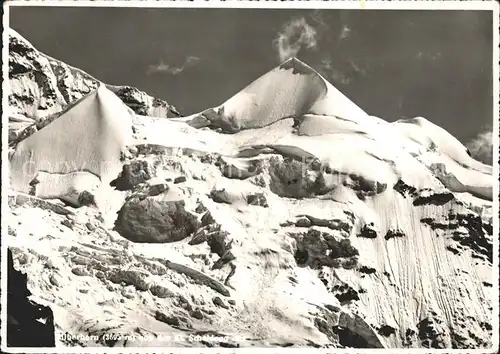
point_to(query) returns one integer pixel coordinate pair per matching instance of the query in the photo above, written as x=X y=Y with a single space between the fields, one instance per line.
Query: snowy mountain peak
x=286 y=216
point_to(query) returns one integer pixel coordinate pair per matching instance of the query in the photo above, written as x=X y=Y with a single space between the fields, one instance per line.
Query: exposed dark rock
x=303 y=221
x=143 y=104
x=365 y=187
x=134 y=173
x=434 y=198
x=318 y=221
x=151 y=149
x=219 y=196
x=200 y=208
x=301 y=256
x=288 y=179
x=199 y=237
x=332 y=308
x=368 y=231
x=170 y=320
x=404 y=189
x=436 y=225
x=85 y=198
x=218 y=302
x=196 y=313
x=316 y=249
x=348 y=295
x=333 y=224
x=410 y=337
x=386 y=330
x=33 y=183
x=231 y=273
x=350 y=339
x=257 y=199
x=28 y=323
x=157 y=189
x=219 y=243
x=433 y=333
x=129 y=277
x=180 y=179
x=212 y=234
x=68 y=223
x=197 y=276
x=226 y=258
x=160 y=291
x=367 y=270
x=228 y=345
x=248 y=168
x=80 y=271
x=208 y=311
x=487 y=326
x=325 y=326
x=22 y=199
x=475 y=239
x=154 y=221
x=207 y=219
x=391 y=233
x=184 y=303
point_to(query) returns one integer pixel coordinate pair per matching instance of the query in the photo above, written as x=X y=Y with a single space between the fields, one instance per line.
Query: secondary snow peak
x=88 y=137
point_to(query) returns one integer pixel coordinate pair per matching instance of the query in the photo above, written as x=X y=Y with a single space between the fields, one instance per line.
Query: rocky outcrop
x=133 y=173
x=317 y=249
x=28 y=323
x=153 y=221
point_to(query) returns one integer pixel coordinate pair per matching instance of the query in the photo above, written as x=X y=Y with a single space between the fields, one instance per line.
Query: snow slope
x=60 y=161
x=290 y=90
x=319 y=226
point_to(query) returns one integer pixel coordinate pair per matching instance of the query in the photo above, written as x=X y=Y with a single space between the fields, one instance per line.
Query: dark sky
x=392 y=63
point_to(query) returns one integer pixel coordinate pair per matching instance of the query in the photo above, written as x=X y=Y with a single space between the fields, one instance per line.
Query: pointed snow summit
x=83 y=146
x=292 y=89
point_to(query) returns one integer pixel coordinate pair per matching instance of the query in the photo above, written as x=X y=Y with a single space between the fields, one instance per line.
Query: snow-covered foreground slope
x=288 y=221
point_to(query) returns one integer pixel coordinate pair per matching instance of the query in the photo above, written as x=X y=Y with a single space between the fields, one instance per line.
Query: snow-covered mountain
x=286 y=216
x=41 y=86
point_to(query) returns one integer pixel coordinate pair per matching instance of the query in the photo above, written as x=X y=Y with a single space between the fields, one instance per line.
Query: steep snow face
x=41 y=86
x=88 y=137
x=309 y=225
x=290 y=90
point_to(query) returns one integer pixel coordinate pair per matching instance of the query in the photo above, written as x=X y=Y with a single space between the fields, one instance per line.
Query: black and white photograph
x=248 y=175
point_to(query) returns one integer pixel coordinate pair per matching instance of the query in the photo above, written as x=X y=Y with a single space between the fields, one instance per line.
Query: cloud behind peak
x=295 y=35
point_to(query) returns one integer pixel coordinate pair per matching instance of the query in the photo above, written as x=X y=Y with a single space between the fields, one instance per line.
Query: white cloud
x=481 y=147
x=164 y=68
x=296 y=34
